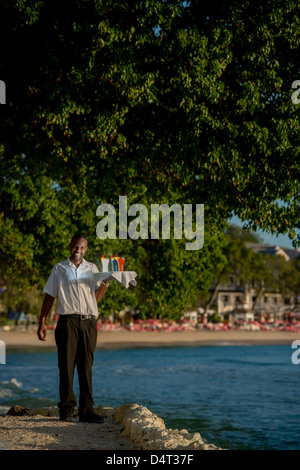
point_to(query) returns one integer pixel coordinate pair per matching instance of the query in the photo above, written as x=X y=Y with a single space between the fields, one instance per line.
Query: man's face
x=78 y=249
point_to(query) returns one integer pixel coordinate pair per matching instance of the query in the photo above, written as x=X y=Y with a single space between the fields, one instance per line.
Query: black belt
x=79 y=316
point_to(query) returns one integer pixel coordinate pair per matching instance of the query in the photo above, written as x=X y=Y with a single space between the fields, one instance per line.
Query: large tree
x=186 y=102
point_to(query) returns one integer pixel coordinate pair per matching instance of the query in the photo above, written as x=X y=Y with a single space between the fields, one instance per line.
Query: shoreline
x=127 y=427
x=137 y=339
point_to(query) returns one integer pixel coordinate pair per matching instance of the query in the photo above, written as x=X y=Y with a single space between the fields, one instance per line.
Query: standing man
x=73 y=283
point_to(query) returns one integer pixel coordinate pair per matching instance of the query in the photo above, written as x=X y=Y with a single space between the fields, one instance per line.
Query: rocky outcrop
x=143 y=427
x=18 y=410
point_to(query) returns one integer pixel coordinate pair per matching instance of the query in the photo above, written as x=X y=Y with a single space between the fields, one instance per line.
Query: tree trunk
x=260 y=292
x=213 y=296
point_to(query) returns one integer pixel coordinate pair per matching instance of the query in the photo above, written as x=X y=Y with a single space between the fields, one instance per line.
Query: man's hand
x=42 y=332
x=46 y=307
x=99 y=293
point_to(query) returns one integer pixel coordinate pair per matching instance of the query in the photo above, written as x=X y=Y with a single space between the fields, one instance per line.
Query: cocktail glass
x=115 y=264
x=105 y=263
x=121 y=264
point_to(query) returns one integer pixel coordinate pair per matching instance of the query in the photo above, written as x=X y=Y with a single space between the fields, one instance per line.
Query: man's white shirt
x=73 y=287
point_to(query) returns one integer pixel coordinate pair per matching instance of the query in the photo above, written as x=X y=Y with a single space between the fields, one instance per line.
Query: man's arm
x=46 y=307
x=99 y=293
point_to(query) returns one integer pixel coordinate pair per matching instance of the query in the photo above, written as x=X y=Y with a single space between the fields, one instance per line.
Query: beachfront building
x=287 y=253
x=191 y=315
x=242 y=302
x=235 y=301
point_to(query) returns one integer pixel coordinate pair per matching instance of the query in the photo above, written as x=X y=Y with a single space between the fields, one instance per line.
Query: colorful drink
x=115 y=263
x=121 y=264
x=105 y=263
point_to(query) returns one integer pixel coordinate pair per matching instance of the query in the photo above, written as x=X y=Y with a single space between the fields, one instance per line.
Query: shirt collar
x=83 y=263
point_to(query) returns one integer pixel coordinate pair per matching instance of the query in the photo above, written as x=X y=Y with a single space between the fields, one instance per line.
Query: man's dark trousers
x=76 y=341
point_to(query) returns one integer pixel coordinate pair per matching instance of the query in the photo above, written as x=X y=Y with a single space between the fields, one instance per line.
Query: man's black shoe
x=67 y=419
x=91 y=418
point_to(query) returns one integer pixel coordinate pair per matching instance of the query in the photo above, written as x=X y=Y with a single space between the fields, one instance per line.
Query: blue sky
x=281 y=240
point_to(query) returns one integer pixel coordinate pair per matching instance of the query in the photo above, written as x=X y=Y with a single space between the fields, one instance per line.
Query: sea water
x=237 y=397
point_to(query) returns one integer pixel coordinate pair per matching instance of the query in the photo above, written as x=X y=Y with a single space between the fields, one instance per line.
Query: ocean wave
x=14 y=385
x=13 y=392
x=3 y=411
x=8 y=388
x=13 y=382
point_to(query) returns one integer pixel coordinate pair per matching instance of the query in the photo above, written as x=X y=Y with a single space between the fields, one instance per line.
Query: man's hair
x=77 y=236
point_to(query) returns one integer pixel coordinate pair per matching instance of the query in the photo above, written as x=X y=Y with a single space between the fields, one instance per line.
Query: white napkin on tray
x=124 y=277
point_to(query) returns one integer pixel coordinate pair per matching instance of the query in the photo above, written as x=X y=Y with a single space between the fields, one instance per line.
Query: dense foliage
x=164 y=102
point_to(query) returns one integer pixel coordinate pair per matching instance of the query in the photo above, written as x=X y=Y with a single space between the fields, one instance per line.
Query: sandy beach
x=36 y=431
x=125 y=338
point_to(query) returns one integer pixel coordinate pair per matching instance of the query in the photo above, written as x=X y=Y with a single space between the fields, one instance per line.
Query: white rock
x=143 y=427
